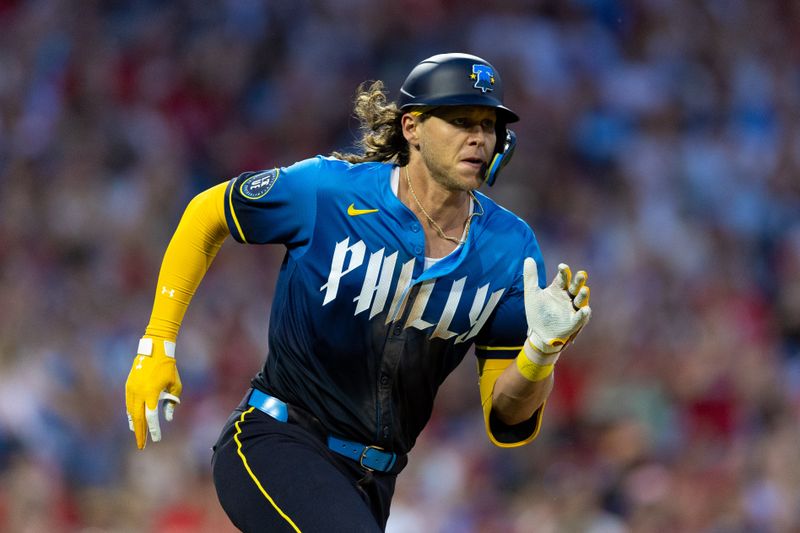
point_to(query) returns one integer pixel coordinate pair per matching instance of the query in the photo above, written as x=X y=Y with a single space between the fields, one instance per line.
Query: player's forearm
x=515 y=398
x=193 y=246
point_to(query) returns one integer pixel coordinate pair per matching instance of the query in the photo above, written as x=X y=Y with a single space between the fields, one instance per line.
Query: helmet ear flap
x=501 y=157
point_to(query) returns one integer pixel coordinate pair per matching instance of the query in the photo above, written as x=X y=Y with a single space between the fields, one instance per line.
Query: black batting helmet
x=455 y=79
x=462 y=79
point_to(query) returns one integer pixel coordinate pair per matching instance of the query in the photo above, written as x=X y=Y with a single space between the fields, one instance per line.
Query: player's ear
x=409 y=123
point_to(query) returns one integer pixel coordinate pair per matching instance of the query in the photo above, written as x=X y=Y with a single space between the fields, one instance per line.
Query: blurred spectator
x=659 y=146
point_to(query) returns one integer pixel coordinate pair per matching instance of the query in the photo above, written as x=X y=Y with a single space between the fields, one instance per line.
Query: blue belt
x=369 y=457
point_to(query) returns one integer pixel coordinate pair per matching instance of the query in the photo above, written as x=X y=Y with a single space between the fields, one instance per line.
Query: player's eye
x=466 y=122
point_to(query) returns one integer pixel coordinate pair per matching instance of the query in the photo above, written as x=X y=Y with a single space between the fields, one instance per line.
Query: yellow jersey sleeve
x=501 y=434
x=196 y=241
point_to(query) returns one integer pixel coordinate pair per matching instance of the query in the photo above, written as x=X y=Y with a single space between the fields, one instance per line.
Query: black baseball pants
x=272 y=476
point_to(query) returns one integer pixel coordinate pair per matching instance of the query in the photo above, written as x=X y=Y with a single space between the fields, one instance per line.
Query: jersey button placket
x=416 y=238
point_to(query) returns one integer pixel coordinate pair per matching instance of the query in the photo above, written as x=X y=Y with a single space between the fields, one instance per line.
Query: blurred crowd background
x=659 y=149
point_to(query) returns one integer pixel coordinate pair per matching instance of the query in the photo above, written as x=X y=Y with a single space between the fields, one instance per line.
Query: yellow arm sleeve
x=191 y=250
x=500 y=434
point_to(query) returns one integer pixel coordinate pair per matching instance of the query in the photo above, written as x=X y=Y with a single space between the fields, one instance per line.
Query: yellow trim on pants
x=253 y=476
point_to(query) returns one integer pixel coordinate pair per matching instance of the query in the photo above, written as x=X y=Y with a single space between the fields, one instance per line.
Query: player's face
x=457 y=144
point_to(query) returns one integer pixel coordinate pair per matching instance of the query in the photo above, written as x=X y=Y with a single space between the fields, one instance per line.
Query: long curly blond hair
x=381 y=132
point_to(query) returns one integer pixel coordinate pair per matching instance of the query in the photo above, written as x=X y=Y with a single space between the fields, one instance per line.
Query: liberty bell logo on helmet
x=483 y=76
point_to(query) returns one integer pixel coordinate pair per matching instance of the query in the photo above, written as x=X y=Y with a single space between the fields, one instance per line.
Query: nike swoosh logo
x=353 y=212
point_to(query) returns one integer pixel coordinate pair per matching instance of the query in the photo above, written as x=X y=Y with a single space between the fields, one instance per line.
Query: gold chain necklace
x=433 y=223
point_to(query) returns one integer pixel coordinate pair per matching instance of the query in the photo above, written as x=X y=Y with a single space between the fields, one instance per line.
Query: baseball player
x=395 y=267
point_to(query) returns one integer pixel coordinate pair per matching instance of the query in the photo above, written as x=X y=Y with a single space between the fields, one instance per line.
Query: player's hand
x=556 y=313
x=153 y=377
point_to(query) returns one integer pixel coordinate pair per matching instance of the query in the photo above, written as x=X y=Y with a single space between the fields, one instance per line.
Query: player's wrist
x=534 y=364
x=532 y=371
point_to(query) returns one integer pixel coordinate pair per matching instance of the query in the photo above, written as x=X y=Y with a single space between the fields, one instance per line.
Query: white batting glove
x=555 y=315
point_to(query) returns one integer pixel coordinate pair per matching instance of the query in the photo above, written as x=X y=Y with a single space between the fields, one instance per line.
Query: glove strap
x=146 y=347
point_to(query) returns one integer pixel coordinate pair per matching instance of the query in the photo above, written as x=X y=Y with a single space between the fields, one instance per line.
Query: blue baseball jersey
x=361 y=335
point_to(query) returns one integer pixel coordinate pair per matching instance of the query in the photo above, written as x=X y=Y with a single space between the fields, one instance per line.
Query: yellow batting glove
x=153 y=377
x=555 y=315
